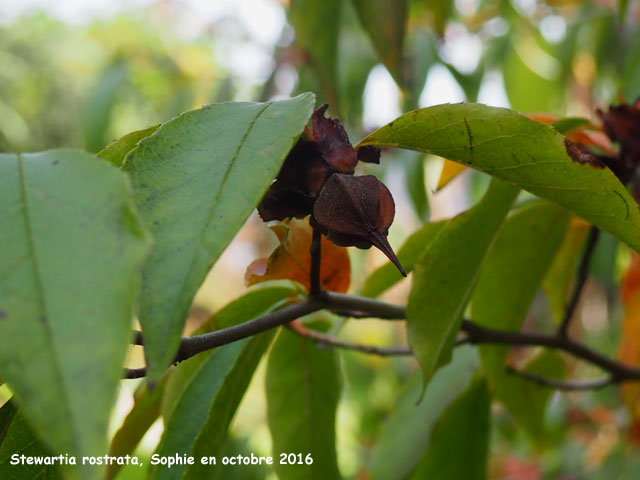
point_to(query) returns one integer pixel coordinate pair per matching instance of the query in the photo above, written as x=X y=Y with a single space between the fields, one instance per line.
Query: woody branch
x=361 y=307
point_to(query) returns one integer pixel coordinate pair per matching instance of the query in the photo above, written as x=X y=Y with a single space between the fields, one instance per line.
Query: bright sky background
x=247 y=51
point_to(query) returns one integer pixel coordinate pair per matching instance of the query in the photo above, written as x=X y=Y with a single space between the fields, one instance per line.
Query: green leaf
x=407 y=433
x=559 y=278
x=440 y=11
x=196 y=180
x=623 y=5
x=72 y=254
x=101 y=102
x=516 y=265
x=510 y=279
x=251 y=305
x=446 y=273
x=204 y=392
x=387 y=275
x=469 y=82
x=630 y=75
x=421 y=54
x=356 y=60
x=511 y=147
x=460 y=439
x=190 y=412
x=118 y=149
x=526 y=400
x=384 y=22
x=17 y=437
x=317 y=26
x=7 y=413
x=569 y=124
x=528 y=68
x=145 y=411
x=213 y=434
x=303 y=390
x=414 y=181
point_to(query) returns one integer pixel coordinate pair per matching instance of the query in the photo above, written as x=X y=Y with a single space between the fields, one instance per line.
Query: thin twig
x=581 y=279
x=563 y=384
x=130 y=373
x=323 y=339
x=190 y=346
x=137 y=338
x=315 y=282
x=478 y=334
x=475 y=334
x=366 y=307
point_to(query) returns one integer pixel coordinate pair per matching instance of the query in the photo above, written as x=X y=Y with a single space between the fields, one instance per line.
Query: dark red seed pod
x=622 y=124
x=281 y=201
x=333 y=142
x=368 y=154
x=356 y=211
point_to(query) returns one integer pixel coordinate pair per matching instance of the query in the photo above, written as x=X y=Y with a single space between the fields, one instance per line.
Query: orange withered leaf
x=629 y=348
x=450 y=170
x=356 y=211
x=291 y=259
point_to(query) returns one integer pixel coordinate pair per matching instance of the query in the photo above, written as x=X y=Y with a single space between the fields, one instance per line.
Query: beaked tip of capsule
x=380 y=241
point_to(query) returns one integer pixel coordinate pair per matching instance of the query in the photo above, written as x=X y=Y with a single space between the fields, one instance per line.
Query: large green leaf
x=17 y=437
x=303 y=390
x=317 y=26
x=407 y=433
x=510 y=279
x=459 y=446
x=512 y=147
x=204 y=392
x=446 y=273
x=196 y=180
x=70 y=269
x=384 y=22
x=387 y=275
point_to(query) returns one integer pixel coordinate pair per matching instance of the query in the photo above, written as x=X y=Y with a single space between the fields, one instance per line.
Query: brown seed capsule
x=333 y=142
x=356 y=211
x=369 y=154
x=315 y=157
x=282 y=201
x=622 y=124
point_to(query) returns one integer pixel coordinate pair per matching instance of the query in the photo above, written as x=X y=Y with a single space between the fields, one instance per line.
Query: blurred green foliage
x=83 y=85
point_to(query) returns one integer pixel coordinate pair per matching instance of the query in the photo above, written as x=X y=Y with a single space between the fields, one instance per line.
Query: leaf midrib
x=43 y=305
x=214 y=206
